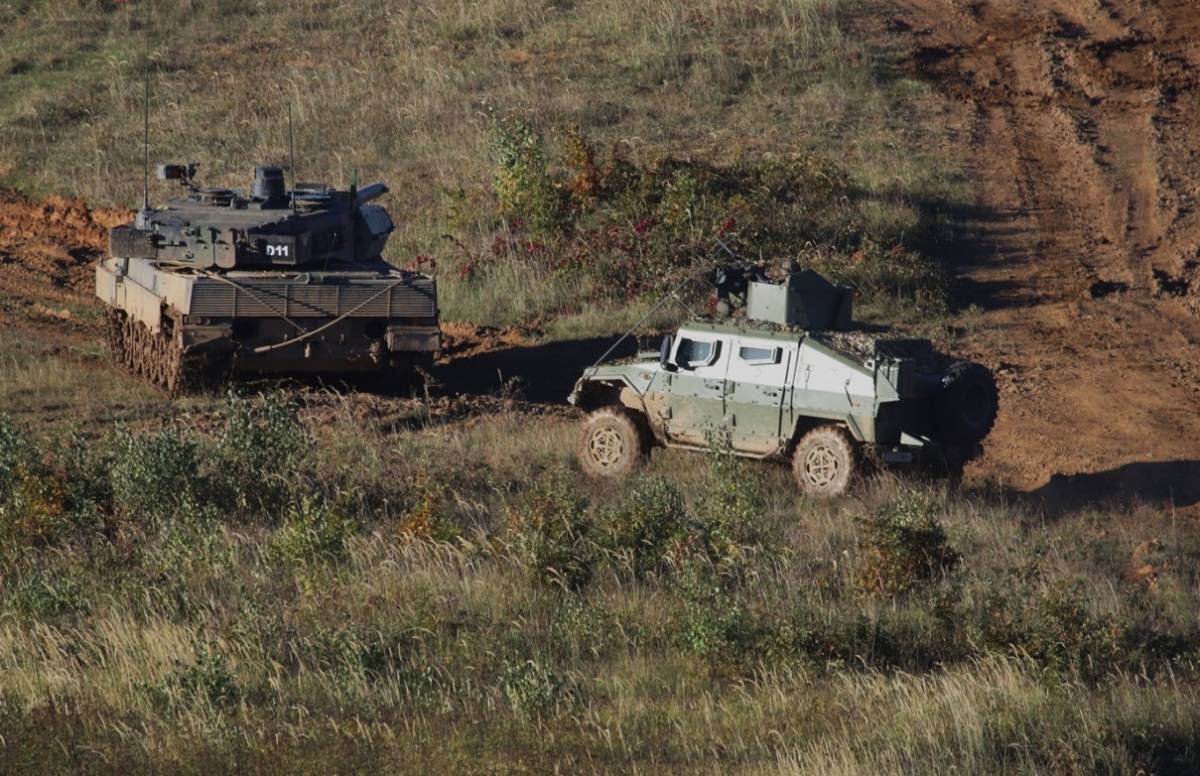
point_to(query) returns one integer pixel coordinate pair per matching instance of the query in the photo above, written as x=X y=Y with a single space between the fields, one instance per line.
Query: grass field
x=409 y=94
x=302 y=582
x=253 y=593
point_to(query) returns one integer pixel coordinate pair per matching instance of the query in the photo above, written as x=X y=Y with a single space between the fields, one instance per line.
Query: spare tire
x=966 y=410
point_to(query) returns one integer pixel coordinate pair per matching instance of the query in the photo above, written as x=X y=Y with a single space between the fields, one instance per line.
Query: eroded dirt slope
x=1083 y=118
x=47 y=251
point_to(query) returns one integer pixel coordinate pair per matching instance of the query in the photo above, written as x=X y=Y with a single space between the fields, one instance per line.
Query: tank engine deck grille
x=261 y=298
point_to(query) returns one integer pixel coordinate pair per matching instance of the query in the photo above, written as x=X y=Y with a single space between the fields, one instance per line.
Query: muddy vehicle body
x=271 y=281
x=790 y=380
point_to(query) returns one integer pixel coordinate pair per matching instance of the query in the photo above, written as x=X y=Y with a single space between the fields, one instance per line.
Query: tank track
x=156 y=358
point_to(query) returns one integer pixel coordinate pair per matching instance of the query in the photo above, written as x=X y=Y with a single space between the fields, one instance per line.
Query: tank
x=270 y=280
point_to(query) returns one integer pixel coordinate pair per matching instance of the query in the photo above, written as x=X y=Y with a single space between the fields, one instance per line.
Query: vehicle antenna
x=292 y=157
x=146 y=127
x=673 y=294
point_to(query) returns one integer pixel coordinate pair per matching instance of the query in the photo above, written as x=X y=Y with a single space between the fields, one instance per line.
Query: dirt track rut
x=1082 y=118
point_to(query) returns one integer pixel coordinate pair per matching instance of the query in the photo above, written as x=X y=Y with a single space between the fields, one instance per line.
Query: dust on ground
x=1084 y=250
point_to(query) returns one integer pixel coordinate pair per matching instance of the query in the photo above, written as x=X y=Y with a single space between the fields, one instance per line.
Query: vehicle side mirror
x=664 y=353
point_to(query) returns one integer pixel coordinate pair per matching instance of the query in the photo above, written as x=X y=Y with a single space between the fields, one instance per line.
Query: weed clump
x=649 y=523
x=258 y=454
x=550 y=530
x=905 y=547
x=209 y=680
x=314 y=529
x=47 y=491
x=535 y=688
x=157 y=476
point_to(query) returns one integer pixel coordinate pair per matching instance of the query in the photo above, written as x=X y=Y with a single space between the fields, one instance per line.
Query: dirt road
x=1083 y=118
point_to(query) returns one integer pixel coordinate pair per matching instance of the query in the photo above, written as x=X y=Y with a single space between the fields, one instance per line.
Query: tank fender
x=140 y=303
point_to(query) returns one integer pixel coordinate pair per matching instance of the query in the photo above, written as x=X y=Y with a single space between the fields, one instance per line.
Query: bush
x=43 y=595
x=713 y=622
x=729 y=517
x=208 y=679
x=526 y=189
x=535 y=688
x=36 y=511
x=16 y=453
x=423 y=519
x=550 y=531
x=648 y=522
x=1056 y=628
x=904 y=545
x=583 y=628
x=48 y=491
x=259 y=455
x=157 y=476
x=314 y=530
x=351 y=651
x=628 y=229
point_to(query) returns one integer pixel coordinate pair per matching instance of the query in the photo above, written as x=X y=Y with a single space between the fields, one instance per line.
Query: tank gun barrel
x=368 y=193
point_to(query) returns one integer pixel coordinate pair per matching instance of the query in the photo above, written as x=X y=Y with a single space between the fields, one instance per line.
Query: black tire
x=825 y=462
x=612 y=443
x=967 y=408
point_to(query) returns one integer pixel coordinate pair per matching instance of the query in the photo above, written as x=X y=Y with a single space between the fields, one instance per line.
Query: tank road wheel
x=156 y=358
x=825 y=462
x=115 y=331
x=129 y=339
x=612 y=444
x=172 y=379
x=137 y=349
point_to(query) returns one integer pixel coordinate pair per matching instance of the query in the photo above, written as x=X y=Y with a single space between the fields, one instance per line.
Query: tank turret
x=269 y=226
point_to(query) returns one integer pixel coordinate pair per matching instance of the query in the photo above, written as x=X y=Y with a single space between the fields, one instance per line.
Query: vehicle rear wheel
x=825 y=462
x=612 y=443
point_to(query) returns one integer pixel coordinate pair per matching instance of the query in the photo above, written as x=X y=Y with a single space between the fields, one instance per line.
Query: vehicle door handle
x=714 y=385
x=771 y=394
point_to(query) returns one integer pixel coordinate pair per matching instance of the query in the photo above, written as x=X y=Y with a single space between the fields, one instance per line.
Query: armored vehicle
x=791 y=379
x=272 y=280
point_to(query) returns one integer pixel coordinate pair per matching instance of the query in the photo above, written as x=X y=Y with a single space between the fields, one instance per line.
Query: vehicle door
x=758 y=397
x=697 y=397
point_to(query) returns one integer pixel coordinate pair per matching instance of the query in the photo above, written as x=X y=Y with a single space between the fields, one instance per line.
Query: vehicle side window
x=693 y=353
x=758 y=356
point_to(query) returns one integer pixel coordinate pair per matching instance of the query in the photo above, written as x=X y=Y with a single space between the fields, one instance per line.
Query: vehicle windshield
x=692 y=353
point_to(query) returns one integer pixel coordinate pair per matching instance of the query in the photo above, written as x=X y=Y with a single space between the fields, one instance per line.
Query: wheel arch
x=806 y=423
x=594 y=394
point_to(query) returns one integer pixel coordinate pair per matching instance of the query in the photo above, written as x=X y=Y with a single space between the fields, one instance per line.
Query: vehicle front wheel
x=825 y=462
x=612 y=443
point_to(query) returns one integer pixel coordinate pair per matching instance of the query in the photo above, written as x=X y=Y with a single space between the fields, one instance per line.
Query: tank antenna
x=146 y=128
x=292 y=156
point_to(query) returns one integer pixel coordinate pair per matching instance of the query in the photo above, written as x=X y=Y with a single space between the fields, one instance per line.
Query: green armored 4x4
x=791 y=379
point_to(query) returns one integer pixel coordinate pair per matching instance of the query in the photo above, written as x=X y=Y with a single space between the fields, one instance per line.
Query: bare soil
x=1084 y=252
x=47 y=248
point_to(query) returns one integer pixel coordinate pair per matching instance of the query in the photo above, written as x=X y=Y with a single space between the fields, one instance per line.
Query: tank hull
x=366 y=318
